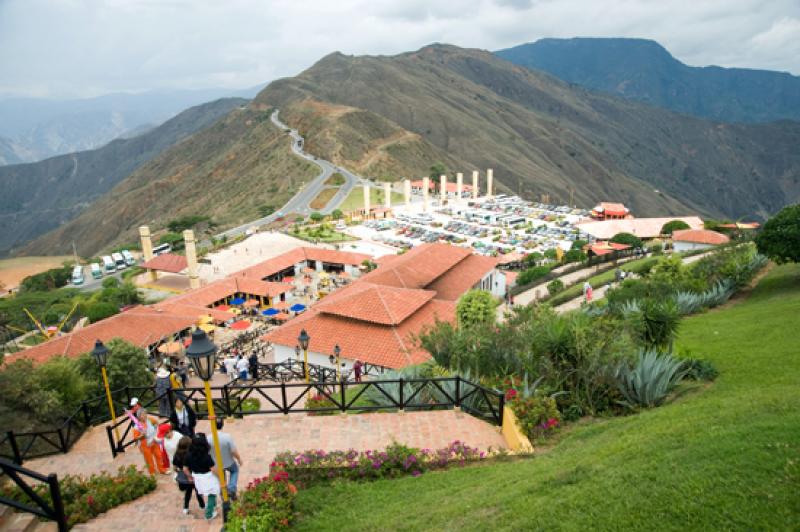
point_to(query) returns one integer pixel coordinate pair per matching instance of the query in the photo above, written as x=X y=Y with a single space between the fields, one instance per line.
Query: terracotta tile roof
x=611 y=208
x=167 y=262
x=297 y=255
x=462 y=277
x=419 y=267
x=641 y=227
x=373 y=303
x=391 y=346
x=186 y=309
x=213 y=292
x=604 y=248
x=700 y=236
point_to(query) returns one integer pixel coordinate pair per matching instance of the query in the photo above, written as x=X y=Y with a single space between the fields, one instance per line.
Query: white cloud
x=73 y=48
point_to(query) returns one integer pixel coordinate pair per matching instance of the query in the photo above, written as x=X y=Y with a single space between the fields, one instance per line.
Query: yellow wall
x=515 y=439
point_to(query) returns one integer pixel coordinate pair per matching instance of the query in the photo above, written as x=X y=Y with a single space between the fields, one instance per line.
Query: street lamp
x=202 y=353
x=303 y=340
x=100 y=354
x=337 y=351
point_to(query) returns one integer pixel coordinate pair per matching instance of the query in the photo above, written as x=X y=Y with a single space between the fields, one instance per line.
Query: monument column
x=474 y=184
x=425 y=184
x=489 y=179
x=147 y=249
x=459 y=186
x=191 y=259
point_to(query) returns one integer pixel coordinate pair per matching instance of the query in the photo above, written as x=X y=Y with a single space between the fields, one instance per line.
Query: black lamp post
x=100 y=354
x=202 y=353
x=303 y=340
x=337 y=351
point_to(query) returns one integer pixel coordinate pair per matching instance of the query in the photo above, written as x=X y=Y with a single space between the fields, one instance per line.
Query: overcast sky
x=82 y=48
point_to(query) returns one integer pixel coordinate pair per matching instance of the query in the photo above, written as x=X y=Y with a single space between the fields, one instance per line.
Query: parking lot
x=500 y=225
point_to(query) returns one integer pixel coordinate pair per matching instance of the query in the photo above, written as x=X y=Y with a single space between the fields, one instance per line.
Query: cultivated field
x=12 y=271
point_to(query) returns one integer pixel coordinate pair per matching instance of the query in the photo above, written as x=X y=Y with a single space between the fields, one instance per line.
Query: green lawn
x=722 y=457
x=355 y=200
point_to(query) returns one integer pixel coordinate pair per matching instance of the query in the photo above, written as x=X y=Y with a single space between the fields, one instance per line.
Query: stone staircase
x=11 y=521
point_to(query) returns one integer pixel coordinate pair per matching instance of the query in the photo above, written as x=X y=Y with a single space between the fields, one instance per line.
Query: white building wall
x=493 y=282
x=689 y=246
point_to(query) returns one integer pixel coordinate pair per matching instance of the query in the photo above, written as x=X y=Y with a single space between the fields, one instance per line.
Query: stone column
x=387 y=192
x=407 y=191
x=366 y=201
x=443 y=188
x=459 y=186
x=191 y=259
x=425 y=184
x=474 y=184
x=147 y=249
x=489 y=179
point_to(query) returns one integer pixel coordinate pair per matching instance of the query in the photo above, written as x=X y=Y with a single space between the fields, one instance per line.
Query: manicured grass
x=329 y=235
x=725 y=456
x=355 y=200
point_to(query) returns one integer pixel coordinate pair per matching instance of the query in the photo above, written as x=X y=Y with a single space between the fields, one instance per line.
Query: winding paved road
x=300 y=202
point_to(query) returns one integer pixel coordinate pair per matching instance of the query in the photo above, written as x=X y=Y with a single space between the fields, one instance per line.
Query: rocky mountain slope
x=38 y=197
x=643 y=70
x=542 y=135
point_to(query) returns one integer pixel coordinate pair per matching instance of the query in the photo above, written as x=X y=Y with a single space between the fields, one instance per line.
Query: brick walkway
x=259 y=438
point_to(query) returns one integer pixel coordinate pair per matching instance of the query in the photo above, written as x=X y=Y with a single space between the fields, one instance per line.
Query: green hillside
x=38 y=197
x=542 y=135
x=643 y=70
x=721 y=457
x=226 y=171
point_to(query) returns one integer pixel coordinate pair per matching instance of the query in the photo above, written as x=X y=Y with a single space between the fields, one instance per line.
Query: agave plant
x=649 y=380
x=629 y=307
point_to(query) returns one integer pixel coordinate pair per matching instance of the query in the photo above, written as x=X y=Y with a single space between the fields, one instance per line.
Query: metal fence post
x=458 y=391
x=502 y=407
x=12 y=440
x=283 y=398
x=87 y=417
x=62 y=440
x=344 y=402
x=402 y=405
x=111 y=441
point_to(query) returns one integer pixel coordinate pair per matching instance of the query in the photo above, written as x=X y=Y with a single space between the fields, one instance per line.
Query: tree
x=578 y=244
x=627 y=238
x=574 y=255
x=47 y=280
x=555 y=286
x=100 y=311
x=550 y=253
x=173 y=239
x=368 y=265
x=531 y=274
x=265 y=210
x=531 y=259
x=127 y=366
x=476 y=307
x=674 y=225
x=316 y=216
x=780 y=238
x=110 y=282
x=438 y=169
x=337 y=214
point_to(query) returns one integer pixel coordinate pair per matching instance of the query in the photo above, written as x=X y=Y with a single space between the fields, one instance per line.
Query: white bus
x=77 y=275
x=161 y=249
x=119 y=260
x=109 y=266
x=97 y=272
x=129 y=260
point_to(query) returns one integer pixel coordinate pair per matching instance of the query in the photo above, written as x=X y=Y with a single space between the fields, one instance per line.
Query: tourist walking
x=162 y=386
x=230 y=366
x=183 y=373
x=169 y=437
x=144 y=434
x=184 y=484
x=230 y=458
x=242 y=366
x=200 y=469
x=357 y=368
x=183 y=417
x=253 y=362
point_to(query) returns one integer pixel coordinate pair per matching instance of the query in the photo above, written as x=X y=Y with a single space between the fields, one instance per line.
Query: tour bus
x=161 y=249
x=109 y=266
x=129 y=260
x=77 y=275
x=97 y=272
x=119 y=260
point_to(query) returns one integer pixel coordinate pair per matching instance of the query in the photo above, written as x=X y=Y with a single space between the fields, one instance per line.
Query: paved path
x=300 y=202
x=259 y=439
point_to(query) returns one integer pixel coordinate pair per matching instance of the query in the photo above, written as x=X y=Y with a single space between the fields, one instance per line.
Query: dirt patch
x=323 y=198
x=13 y=271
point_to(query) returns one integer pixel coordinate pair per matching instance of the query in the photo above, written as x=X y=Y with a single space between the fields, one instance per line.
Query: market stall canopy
x=251 y=303
x=288 y=279
x=223 y=308
x=207 y=327
x=206 y=319
x=270 y=312
x=282 y=316
x=170 y=348
x=240 y=325
x=297 y=307
x=237 y=301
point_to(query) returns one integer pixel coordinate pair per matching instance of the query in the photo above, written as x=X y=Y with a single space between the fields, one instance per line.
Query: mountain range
x=392 y=117
x=38 y=197
x=38 y=128
x=642 y=70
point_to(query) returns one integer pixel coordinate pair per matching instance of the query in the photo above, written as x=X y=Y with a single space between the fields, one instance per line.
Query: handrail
x=53 y=510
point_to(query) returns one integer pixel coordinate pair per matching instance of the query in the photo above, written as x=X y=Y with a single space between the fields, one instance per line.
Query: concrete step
x=19 y=522
x=46 y=526
x=5 y=513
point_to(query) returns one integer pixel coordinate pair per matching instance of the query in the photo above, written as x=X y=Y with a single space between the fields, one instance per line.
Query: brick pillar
x=147 y=249
x=191 y=258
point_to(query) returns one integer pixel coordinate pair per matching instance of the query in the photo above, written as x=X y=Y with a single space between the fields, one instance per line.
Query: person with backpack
x=184 y=484
x=201 y=471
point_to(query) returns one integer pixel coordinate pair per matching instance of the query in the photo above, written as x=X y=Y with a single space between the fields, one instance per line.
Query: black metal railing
x=231 y=400
x=52 y=509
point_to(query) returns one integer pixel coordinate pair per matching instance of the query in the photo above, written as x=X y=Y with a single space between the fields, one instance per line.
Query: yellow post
x=337 y=368
x=305 y=363
x=110 y=403
x=217 y=454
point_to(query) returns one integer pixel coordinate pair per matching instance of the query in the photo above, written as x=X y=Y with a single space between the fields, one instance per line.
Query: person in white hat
x=162 y=385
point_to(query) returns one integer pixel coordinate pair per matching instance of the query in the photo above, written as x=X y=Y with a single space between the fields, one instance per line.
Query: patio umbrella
x=240 y=325
x=281 y=305
x=237 y=301
x=236 y=311
x=324 y=275
x=288 y=279
x=170 y=348
x=205 y=318
x=251 y=303
x=297 y=307
x=223 y=308
x=282 y=317
x=207 y=327
x=270 y=312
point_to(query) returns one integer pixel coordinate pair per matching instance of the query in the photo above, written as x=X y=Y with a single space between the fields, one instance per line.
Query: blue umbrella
x=297 y=307
x=237 y=301
x=270 y=312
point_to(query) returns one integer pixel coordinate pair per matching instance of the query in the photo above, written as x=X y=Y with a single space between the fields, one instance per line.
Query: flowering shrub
x=537 y=414
x=85 y=498
x=314 y=467
x=266 y=504
x=319 y=401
